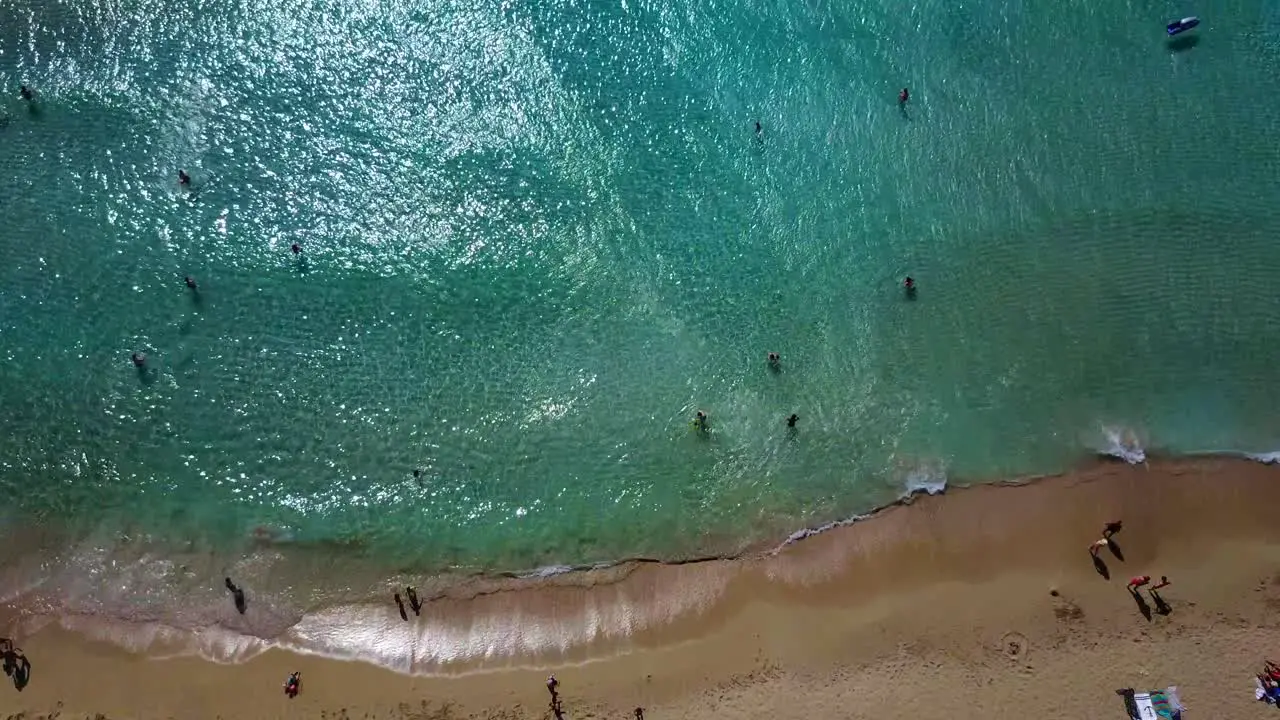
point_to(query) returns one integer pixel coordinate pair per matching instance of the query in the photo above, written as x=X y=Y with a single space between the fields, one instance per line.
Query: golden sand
x=982 y=603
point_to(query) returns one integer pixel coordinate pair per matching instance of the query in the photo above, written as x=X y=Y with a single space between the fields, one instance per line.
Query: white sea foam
x=1122 y=443
x=929 y=479
x=1267 y=458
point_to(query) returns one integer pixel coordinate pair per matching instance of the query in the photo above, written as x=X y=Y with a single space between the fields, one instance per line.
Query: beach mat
x=1154 y=705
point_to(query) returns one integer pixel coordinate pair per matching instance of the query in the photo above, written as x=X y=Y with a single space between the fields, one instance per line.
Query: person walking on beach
x=293 y=685
x=1137 y=582
x=553 y=686
x=413 y=600
x=400 y=604
x=1097 y=546
x=639 y=713
x=1112 y=528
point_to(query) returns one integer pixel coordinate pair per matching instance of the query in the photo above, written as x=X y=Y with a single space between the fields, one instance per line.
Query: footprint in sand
x=1014 y=645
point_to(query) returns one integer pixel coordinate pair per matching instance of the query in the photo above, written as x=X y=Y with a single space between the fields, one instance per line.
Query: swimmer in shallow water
x=700 y=421
x=903 y=96
x=775 y=361
x=25 y=92
x=791 y=421
x=184 y=179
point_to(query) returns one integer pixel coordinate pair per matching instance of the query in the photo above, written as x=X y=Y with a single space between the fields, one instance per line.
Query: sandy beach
x=981 y=603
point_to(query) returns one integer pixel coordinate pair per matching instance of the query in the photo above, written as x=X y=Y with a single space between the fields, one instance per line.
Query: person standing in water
x=791 y=421
x=184 y=179
x=26 y=93
x=903 y=96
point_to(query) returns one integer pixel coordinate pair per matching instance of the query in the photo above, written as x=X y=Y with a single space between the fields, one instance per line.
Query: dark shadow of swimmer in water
x=1101 y=567
x=1182 y=43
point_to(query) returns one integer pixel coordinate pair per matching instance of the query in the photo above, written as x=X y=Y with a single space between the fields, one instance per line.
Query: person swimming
x=775 y=361
x=903 y=96
x=909 y=284
x=139 y=359
x=791 y=421
x=184 y=179
x=25 y=92
x=296 y=248
x=759 y=129
x=700 y=421
x=191 y=282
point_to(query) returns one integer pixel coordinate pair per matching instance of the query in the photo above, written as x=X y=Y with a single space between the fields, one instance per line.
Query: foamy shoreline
x=937 y=584
x=513 y=619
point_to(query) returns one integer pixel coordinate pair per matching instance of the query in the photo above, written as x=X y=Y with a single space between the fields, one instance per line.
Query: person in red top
x=1139 y=581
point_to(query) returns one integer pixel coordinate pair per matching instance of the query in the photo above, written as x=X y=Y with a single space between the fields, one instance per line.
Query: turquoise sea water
x=538 y=235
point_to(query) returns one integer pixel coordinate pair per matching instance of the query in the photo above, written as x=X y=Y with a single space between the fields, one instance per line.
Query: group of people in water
x=701 y=421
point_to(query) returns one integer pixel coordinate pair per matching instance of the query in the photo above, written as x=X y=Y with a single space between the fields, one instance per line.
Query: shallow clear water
x=537 y=236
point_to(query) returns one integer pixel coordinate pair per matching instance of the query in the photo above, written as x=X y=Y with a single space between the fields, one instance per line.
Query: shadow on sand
x=16 y=664
x=1143 y=607
x=1115 y=549
x=1162 y=607
x=1101 y=567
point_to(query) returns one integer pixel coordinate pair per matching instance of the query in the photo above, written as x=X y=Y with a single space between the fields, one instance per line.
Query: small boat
x=1183 y=25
